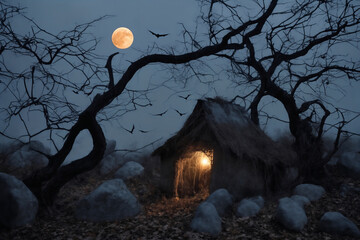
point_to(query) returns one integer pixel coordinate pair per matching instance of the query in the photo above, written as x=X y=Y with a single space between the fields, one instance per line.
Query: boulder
x=110 y=163
x=222 y=201
x=109 y=202
x=206 y=219
x=336 y=223
x=311 y=191
x=291 y=215
x=18 y=205
x=301 y=200
x=129 y=170
x=349 y=163
x=10 y=147
x=247 y=208
x=25 y=157
x=259 y=200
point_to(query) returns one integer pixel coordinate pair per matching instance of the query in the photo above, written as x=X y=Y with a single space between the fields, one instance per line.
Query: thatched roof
x=216 y=122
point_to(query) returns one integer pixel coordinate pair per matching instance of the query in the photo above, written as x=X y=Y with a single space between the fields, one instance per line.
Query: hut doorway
x=192 y=173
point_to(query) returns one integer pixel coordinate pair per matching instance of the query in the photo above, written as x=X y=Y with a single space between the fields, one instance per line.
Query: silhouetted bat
x=158 y=35
x=130 y=131
x=185 y=97
x=160 y=114
x=143 y=131
x=181 y=114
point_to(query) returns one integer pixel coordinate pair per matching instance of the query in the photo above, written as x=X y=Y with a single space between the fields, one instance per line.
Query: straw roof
x=216 y=122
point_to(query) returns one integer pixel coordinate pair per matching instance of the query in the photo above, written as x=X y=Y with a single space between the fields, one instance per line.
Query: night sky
x=160 y=16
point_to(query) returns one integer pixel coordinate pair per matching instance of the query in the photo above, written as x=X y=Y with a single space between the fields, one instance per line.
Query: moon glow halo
x=122 y=38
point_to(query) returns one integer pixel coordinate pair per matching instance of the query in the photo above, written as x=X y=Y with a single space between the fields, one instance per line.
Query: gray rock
x=247 y=208
x=109 y=202
x=301 y=200
x=10 y=147
x=16 y=160
x=206 y=219
x=129 y=170
x=110 y=163
x=291 y=215
x=336 y=223
x=18 y=205
x=311 y=191
x=350 y=164
x=259 y=200
x=222 y=201
x=26 y=157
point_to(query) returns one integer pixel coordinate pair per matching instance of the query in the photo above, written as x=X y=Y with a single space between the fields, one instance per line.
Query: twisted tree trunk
x=308 y=147
x=45 y=183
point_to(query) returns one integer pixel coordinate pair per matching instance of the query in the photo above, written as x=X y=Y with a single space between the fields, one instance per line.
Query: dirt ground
x=164 y=218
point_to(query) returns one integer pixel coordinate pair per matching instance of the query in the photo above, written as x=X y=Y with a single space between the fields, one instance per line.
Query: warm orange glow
x=122 y=38
x=205 y=162
x=193 y=171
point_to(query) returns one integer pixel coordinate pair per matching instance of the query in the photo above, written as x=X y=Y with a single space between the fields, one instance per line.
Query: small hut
x=220 y=147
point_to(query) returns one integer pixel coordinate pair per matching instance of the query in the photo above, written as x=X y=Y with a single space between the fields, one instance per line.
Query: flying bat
x=143 y=131
x=181 y=114
x=130 y=131
x=160 y=114
x=185 y=97
x=158 y=35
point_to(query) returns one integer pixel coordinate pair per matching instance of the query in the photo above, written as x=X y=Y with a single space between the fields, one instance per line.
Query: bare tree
x=289 y=50
x=273 y=70
x=51 y=69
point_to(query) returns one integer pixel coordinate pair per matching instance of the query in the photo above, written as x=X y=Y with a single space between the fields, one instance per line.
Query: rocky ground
x=164 y=218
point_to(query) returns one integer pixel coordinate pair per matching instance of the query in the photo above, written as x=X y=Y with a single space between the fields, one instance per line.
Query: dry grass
x=205 y=128
x=226 y=128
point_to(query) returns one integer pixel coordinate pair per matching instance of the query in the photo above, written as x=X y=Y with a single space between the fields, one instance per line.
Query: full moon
x=122 y=38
